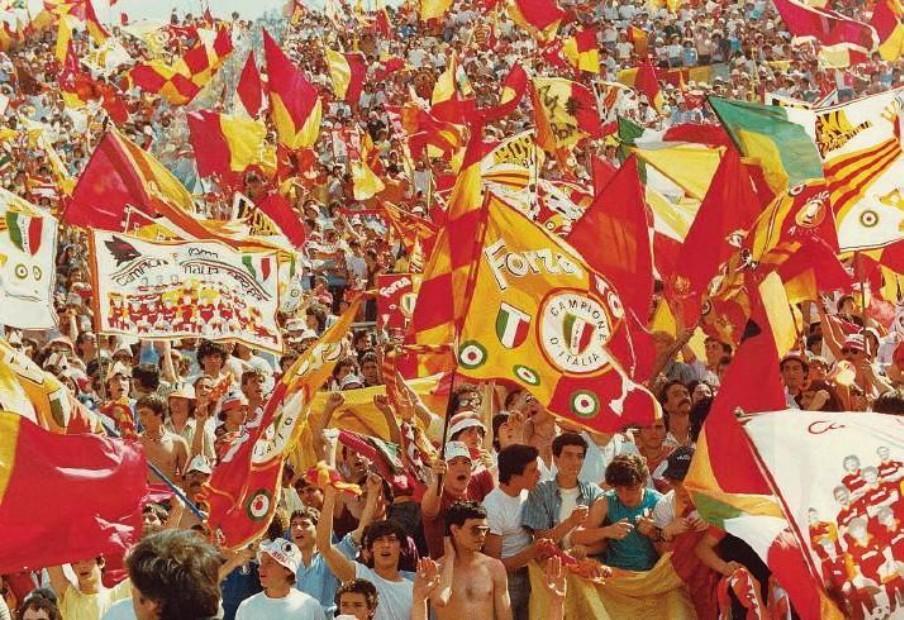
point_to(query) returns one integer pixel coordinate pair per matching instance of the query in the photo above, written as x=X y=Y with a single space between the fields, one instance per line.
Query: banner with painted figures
x=186 y=289
x=28 y=241
x=840 y=476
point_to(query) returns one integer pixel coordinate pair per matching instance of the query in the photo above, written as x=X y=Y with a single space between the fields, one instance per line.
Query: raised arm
x=382 y=403
x=58 y=580
x=342 y=567
x=430 y=503
x=374 y=486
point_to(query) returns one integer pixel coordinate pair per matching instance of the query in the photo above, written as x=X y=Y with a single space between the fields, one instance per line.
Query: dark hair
x=498 y=420
x=152 y=402
x=664 y=392
x=178 y=570
x=384 y=527
x=459 y=512
x=514 y=459
x=148 y=375
x=832 y=404
x=511 y=397
x=793 y=358
x=312 y=514
x=890 y=401
x=248 y=375
x=207 y=348
x=41 y=599
x=699 y=411
x=465 y=388
x=627 y=470
x=156 y=509
x=358 y=586
x=279 y=524
x=567 y=439
x=370 y=356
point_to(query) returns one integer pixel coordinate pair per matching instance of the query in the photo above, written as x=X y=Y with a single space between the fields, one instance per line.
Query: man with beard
x=676 y=403
x=382 y=548
x=197 y=473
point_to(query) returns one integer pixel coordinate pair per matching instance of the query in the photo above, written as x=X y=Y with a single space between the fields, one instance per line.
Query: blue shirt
x=317 y=579
x=635 y=551
x=541 y=511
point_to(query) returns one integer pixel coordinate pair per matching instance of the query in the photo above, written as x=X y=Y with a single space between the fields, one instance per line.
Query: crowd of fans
x=511 y=479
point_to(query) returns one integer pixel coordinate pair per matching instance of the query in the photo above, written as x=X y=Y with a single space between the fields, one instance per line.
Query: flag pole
x=112 y=432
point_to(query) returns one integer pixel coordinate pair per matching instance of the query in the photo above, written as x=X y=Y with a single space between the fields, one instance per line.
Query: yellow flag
x=540 y=318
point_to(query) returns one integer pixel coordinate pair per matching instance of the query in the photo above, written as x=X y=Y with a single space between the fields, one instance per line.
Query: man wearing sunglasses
x=472 y=584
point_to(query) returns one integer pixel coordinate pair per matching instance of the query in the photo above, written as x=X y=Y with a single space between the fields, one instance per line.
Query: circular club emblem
x=574 y=329
x=527 y=375
x=258 y=506
x=869 y=218
x=472 y=354
x=584 y=404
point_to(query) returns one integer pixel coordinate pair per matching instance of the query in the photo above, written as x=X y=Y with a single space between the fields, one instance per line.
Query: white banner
x=185 y=289
x=840 y=476
x=28 y=242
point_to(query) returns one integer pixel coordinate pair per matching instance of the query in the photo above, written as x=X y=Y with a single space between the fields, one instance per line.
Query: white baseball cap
x=465 y=423
x=284 y=552
x=456 y=449
x=199 y=464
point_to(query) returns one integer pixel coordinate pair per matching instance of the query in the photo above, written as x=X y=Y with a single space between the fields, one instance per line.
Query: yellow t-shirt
x=76 y=605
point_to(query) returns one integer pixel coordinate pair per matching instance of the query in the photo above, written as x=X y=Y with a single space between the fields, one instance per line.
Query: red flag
x=712 y=135
x=295 y=106
x=709 y=241
x=647 y=84
x=96 y=486
x=513 y=89
x=250 y=89
x=388 y=67
x=277 y=208
x=602 y=172
x=614 y=239
x=826 y=26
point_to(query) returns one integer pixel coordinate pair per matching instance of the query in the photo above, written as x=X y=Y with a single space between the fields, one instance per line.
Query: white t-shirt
x=504 y=519
x=296 y=605
x=395 y=597
x=569 y=502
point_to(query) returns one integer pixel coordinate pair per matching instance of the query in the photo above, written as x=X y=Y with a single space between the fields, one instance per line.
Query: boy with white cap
x=279 y=560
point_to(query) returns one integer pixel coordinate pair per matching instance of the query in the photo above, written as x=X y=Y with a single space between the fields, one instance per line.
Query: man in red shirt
x=453 y=481
x=853 y=480
x=849 y=510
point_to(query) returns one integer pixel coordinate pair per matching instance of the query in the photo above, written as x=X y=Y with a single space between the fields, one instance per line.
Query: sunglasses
x=479 y=530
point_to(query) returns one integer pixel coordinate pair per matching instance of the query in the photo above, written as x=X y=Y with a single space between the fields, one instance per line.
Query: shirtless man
x=472 y=585
x=166 y=450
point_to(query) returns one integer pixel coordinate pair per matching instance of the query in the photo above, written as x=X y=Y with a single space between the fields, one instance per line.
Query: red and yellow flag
x=347 y=73
x=37 y=465
x=366 y=184
x=180 y=82
x=513 y=89
x=647 y=84
x=565 y=112
x=227 y=145
x=582 y=51
x=243 y=491
x=887 y=16
x=295 y=106
x=250 y=90
x=541 y=18
x=541 y=318
x=441 y=302
x=453 y=97
x=433 y=9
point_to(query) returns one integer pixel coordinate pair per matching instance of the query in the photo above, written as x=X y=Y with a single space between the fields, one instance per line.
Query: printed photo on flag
x=840 y=479
x=185 y=289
